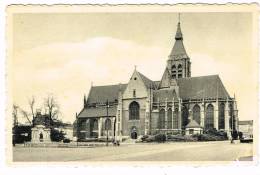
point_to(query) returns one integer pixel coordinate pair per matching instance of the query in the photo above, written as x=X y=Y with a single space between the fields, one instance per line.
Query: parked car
x=246 y=138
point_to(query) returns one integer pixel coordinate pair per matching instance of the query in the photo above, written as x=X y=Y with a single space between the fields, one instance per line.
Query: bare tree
x=26 y=115
x=51 y=104
x=31 y=104
x=15 y=109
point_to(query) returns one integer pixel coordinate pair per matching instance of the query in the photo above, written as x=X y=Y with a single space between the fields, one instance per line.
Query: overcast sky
x=63 y=53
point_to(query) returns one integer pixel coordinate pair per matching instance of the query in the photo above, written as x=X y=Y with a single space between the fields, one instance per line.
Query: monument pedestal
x=41 y=134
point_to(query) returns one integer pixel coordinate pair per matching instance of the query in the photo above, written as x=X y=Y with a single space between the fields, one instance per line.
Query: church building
x=178 y=103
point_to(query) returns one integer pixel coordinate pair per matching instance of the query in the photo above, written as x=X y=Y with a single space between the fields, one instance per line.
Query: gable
x=165 y=82
x=136 y=84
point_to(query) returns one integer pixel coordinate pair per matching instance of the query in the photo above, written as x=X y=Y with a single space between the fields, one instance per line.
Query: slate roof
x=178 y=51
x=98 y=112
x=162 y=94
x=147 y=81
x=193 y=124
x=201 y=87
x=100 y=94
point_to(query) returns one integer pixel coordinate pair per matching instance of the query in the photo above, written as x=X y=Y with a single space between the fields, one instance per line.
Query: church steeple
x=178 y=61
x=178 y=51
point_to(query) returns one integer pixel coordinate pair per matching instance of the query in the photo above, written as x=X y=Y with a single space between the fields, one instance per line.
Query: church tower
x=178 y=62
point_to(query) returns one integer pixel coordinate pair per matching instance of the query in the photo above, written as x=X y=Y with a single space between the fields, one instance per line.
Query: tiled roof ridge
x=213 y=75
x=110 y=85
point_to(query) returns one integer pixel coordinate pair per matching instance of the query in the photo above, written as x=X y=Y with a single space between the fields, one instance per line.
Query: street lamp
x=106 y=123
x=77 y=129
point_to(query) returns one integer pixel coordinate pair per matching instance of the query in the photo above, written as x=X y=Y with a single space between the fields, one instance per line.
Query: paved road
x=197 y=151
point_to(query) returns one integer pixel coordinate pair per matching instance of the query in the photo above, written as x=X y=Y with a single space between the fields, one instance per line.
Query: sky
x=63 y=53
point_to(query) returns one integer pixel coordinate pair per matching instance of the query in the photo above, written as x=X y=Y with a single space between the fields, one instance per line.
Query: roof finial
x=179 y=17
x=135 y=67
x=178 y=35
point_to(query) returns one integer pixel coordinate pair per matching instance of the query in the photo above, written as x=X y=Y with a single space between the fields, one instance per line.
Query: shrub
x=182 y=138
x=57 y=135
x=214 y=132
x=66 y=140
x=160 y=138
x=148 y=138
x=144 y=138
x=210 y=137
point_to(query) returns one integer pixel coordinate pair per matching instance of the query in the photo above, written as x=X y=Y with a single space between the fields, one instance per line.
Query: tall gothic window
x=209 y=119
x=179 y=71
x=161 y=123
x=95 y=125
x=134 y=110
x=185 y=115
x=221 y=116
x=196 y=113
x=175 y=119
x=107 y=124
x=174 y=71
x=169 y=118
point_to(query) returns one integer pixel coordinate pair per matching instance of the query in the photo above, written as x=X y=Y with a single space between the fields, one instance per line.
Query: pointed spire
x=178 y=51
x=178 y=35
x=85 y=101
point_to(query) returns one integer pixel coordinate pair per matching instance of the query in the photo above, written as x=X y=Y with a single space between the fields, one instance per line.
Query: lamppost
x=106 y=123
x=77 y=129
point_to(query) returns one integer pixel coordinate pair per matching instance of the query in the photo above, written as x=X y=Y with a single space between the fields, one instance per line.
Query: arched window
x=221 y=116
x=134 y=110
x=209 y=119
x=196 y=113
x=179 y=71
x=95 y=124
x=161 y=123
x=185 y=115
x=174 y=71
x=169 y=118
x=107 y=124
x=175 y=119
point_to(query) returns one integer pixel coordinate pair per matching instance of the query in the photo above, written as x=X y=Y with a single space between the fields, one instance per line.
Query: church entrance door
x=133 y=133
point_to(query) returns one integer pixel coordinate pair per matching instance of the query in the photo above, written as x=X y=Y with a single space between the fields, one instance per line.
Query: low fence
x=65 y=145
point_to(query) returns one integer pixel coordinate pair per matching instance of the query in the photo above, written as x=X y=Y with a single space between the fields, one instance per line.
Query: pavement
x=171 y=151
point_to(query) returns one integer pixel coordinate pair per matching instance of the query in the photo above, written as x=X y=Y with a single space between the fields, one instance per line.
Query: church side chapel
x=178 y=103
